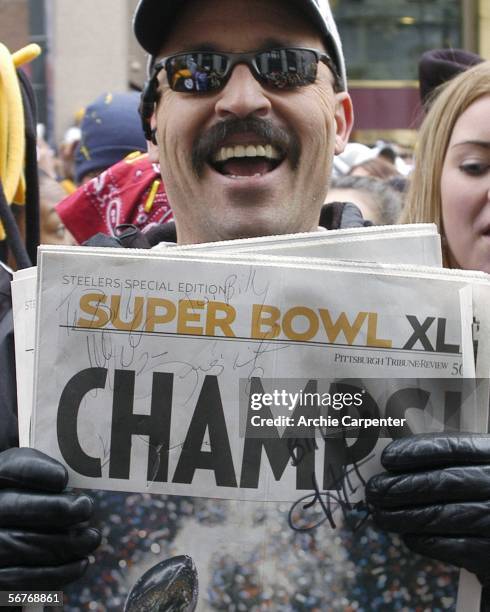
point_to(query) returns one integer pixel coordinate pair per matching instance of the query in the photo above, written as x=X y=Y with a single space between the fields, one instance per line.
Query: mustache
x=205 y=145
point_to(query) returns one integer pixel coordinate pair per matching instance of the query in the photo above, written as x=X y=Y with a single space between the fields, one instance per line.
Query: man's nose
x=242 y=96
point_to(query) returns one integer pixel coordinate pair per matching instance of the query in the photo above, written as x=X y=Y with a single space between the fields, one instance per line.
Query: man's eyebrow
x=268 y=43
x=204 y=46
x=274 y=43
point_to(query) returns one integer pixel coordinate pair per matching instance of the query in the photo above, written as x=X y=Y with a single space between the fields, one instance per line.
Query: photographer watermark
x=339 y=401
x=349 y=408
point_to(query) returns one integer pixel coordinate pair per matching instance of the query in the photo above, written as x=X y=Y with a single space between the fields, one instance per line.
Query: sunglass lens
x=284 y=68
x=207 y=71
x=196 y=72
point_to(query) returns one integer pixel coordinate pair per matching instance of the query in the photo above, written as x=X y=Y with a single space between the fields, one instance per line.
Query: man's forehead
x=240 y=25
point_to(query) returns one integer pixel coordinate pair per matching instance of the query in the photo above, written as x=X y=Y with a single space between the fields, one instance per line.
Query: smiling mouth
x=242 y=161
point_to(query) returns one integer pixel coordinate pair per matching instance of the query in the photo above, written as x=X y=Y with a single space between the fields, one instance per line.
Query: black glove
x=437 y=495
x=42 y=542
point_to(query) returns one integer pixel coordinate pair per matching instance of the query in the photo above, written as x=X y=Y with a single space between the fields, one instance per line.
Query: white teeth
x=225 y=153
x=235 y=176
x=271 y=152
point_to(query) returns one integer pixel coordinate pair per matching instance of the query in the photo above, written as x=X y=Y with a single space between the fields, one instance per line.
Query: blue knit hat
x=110 y=130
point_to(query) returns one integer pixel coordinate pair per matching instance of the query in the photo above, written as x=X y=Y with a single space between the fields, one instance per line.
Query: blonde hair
x=449 y=102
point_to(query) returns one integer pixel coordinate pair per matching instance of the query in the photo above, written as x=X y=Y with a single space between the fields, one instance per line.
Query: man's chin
x=259 y=223
x=251 y=232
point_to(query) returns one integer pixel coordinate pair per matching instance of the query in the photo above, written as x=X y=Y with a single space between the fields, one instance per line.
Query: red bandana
x=131 y=191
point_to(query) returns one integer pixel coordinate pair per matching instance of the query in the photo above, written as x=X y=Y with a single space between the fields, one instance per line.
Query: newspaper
x=261 y=323
x=424 y=249
x=419 y=229
x=388 y=244
x=23 y=289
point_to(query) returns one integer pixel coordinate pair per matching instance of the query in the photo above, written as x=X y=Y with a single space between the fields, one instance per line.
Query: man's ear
x=344 y=120
x=153 y=153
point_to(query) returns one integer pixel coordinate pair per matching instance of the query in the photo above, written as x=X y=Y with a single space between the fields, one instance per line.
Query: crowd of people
x=188 y=177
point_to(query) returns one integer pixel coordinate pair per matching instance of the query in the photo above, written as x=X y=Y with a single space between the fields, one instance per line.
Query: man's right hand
x=43 y=541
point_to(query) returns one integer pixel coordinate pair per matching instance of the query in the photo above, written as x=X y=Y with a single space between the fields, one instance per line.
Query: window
x=384 y=39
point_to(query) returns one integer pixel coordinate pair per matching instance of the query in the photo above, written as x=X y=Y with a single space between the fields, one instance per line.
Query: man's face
x=282 y=186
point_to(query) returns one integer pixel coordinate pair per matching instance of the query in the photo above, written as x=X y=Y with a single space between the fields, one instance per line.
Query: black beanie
x=440 y=65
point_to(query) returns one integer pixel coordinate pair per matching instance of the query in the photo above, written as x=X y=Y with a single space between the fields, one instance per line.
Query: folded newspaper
x=229 y=409
x=389 y=244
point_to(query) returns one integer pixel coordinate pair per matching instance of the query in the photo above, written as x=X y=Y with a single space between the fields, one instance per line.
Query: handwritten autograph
x=324 y=504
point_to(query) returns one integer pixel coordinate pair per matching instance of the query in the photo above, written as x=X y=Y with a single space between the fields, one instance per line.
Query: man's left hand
x=436 y=493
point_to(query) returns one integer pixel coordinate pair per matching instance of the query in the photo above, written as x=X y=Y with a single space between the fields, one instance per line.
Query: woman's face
x=465 y=189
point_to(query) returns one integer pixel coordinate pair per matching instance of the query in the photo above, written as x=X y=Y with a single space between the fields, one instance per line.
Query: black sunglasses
x=199 y=72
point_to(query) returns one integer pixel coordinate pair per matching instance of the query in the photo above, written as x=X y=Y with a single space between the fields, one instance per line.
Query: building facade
x=383 y=41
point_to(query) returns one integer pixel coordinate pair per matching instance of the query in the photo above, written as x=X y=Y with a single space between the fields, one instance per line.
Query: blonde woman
x=450 y=185
x=436 y=490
